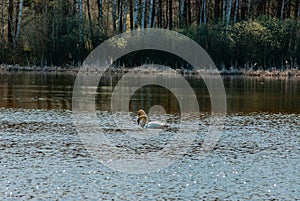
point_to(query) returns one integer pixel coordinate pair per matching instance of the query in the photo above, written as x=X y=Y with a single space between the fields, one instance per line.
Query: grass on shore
x=157 y=69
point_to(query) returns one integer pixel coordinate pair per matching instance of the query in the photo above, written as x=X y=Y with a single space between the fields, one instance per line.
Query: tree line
x=236 y=33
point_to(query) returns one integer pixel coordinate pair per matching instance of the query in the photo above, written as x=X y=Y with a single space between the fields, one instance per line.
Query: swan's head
x=141 y=112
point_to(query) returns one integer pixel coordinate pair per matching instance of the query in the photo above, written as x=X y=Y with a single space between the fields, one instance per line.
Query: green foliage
x=219 y=47
x=52 y=33
x=213 y=39
x=266 y=41
x=251 y=41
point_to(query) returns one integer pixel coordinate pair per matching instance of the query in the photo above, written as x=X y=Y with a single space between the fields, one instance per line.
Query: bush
x=266 y=41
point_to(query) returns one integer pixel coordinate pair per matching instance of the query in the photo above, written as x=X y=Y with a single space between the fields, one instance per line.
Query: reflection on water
x=54 y=91
x=43 y=158
x=263 y=94
x=36 y=90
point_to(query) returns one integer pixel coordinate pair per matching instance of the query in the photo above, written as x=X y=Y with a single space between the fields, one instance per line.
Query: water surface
x=43 y=158
x=244 y=94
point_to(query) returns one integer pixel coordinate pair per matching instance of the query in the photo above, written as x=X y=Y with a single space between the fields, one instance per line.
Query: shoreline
x=287 y=73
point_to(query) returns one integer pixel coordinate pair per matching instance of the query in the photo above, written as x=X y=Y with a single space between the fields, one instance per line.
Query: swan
x=144 y=123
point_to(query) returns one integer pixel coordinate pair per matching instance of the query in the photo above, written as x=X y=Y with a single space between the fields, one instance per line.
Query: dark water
x=42 y=156
x=245 y=95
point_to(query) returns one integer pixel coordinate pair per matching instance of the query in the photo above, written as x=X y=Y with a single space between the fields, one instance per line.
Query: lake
x=42 y=156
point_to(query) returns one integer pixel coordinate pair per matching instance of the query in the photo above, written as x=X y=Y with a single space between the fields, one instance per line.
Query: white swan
x=144 y=123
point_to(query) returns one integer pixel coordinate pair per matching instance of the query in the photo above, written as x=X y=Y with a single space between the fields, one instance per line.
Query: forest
x=262 y=34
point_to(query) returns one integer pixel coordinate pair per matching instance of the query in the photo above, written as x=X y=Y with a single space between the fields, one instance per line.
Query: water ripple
x=43 y=158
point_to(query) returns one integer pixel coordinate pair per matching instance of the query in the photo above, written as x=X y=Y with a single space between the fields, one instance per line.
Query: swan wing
x=155 y=125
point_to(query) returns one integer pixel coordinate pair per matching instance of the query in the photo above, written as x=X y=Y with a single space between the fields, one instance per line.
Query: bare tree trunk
x=10 y=21
x=224 y=10
x=77 y=6
x=165 y=15
x=268 y=9
x=136 y=14
x=249 y=9
x=44 y=28
x=189 y=12
x=114 y=15
x=282 y=9
x=242 y=10
x=181 y=11
x=204 y=12
x=53 y=29
x=2 y=24
x=201 y=14
x=107 y=21
x=170 y=14
x=120 y=16
x=131 y=14
x=236 y=10
x=125 y=16
x=160 y=14
x=263 y=7
x=80 y=23
x=186 y=10
x=155 y=17
x=143 y=14
x=228 y=13
x=16 y=12
x=216 y=9
x=288 y=15
x=90 y=21
x=19 y=23
x=296 y=12
x=100 y=16
x=197 y=12
x=150 y=14
x=80 y=32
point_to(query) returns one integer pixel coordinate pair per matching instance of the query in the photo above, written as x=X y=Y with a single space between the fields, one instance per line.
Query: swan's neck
x=143 y=120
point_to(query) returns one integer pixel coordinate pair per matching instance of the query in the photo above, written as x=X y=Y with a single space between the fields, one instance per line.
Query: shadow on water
x=244 y=94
